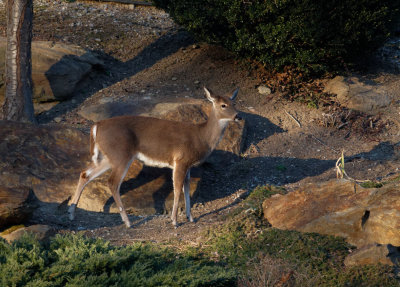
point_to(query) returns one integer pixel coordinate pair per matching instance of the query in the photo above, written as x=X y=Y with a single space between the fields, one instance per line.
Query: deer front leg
x=186 y=192
x=85 y=177
x=178 y=176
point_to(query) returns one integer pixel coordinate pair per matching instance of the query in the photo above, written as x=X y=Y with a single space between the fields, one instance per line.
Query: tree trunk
x=18 y=104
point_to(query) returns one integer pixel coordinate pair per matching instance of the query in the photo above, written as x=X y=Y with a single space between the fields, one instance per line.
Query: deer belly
x=151 y=162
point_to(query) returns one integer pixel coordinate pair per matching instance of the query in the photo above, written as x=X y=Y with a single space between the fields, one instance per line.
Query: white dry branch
x=293 y=118
x=341 y=172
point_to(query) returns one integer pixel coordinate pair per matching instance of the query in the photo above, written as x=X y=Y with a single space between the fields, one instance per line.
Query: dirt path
x=147 y=55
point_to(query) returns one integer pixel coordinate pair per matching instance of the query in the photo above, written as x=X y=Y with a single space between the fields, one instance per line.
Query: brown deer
x=116 y=142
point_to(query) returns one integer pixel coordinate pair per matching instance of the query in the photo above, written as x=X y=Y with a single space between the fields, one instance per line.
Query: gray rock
x=107 y=110
x=386 y=254
x=389 y=54
x=358 y=94
x=56 y=69
x=264 y=90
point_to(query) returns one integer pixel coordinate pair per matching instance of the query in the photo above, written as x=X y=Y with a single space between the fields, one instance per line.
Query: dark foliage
x=312 y=36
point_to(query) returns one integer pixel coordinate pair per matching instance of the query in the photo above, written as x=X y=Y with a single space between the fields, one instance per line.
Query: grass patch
x=371 y=184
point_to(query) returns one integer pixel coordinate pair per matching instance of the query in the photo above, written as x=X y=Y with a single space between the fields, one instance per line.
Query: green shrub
x=74 y=260
x=310 y=35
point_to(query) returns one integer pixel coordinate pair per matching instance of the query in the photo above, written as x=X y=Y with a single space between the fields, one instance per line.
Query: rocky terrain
x=135 y=60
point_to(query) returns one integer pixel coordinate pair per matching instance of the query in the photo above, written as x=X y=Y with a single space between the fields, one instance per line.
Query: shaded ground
x=148 y=56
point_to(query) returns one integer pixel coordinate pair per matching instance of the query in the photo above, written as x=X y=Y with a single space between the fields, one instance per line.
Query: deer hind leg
x=115 y=180
x=94 y=170
x=186 y=192
x=178 y=176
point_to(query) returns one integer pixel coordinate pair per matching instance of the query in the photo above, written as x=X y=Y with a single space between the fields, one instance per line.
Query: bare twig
x=293 y=118
x=342 y=125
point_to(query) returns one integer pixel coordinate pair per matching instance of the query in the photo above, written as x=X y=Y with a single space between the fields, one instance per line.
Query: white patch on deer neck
x=151 y=162
x=95 y=156
x=223 y=123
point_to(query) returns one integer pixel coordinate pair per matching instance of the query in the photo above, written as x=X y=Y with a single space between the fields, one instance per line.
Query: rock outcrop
x=358 y=94
x=341 y=208
x=57 y=69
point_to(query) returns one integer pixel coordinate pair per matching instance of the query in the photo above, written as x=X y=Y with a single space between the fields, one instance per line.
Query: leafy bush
x=310 y=35
x=78 y=261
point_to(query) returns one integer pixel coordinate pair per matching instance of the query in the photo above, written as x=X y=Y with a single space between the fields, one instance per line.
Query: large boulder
x=57 y=69
x=359 y=94
x=341 y=208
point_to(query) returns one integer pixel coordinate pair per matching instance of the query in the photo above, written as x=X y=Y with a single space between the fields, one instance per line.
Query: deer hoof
x=174 y=224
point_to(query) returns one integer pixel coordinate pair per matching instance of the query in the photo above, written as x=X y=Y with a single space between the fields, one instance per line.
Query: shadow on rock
x=115 y=71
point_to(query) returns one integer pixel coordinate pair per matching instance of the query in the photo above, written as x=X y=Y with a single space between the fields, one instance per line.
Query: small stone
x=195 y=46
x=105 y=100
x=57 y=119
x=385 y=254
x=196 y=82
x=264 y=90
x=174 y=78
x=97 y=40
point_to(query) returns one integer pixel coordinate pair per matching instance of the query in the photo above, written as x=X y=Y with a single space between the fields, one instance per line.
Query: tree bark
x=18 y=104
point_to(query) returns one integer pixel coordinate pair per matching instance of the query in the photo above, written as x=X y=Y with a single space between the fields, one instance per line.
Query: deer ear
x=234 y=95
x=208 y=95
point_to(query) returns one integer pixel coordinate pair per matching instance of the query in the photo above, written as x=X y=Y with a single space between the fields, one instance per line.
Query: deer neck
x=213 y=130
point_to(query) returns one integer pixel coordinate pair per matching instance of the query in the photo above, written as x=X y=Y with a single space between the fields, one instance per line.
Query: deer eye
x=223 y=106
